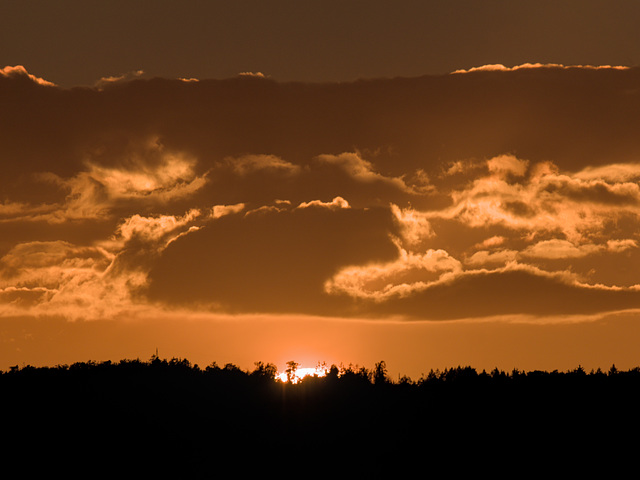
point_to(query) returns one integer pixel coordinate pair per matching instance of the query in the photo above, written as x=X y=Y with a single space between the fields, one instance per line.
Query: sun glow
x=297 y=374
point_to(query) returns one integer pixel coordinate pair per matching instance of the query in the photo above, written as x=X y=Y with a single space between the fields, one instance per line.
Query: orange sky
x=408 y=348
x=481 y=215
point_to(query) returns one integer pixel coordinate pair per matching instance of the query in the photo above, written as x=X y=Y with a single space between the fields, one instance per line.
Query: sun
x=299 y=373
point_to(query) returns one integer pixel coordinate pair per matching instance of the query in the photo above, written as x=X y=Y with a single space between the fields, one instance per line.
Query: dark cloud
x=510 y=292
x=271 y=261
x=574 y=117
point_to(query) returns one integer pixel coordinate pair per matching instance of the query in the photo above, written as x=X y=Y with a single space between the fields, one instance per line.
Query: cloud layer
x=499 y=192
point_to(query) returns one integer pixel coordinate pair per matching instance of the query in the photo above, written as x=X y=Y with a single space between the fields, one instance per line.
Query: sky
x=431 y=184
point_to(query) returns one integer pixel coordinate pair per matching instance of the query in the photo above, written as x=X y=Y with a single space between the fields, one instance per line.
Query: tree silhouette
x=198 y=411
x=380 y=373
x=265 y=370
x=292 y=366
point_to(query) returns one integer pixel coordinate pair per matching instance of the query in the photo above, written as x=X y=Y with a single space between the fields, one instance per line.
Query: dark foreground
x=171 y=419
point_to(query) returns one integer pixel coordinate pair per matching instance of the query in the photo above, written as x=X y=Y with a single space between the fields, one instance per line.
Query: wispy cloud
x=498 y=67
x=113 y=79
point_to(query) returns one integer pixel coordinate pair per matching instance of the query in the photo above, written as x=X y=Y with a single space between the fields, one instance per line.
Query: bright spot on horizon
x=302 y=372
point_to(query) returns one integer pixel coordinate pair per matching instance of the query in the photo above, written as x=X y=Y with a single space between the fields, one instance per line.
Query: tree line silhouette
x=172 y=409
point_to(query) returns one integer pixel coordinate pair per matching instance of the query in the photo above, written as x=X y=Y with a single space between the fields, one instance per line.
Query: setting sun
x=297 y=374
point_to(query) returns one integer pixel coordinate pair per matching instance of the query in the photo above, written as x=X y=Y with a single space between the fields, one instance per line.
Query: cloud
x=249 y=164
x=594 y=191
x=359 y=169
x=13 y=299
x=337 y=202
x=494 y=241
x=617 y=246
x=434 y=285
x=59 y=278
x=88 y=281
x=275 y=261
x=498 y=67
x=559 y=249
x=252 y=74
x=553 y=249
x=151 y=172
x=153 y=228
x=50 y=255
x=19 y=71
x=105 y=82
x=261 y=178
x=150 y=175
x=507 y=165
x=414 y=225
x=511 y=290
x=218 y=211
x=483 y=258
x=541 y=199
x=618 y=173
x=25 y=212
x=372 y=198
x=400 y=277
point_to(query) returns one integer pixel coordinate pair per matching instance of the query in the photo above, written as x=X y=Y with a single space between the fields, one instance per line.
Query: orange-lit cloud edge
x=498 y=67
x=534 y=230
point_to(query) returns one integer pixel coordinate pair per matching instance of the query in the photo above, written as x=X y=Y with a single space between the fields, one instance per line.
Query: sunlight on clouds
x=485 y=257
x=456 y=168
x=252 y=74
x=113 y=79
x=16 y=299
x=617 y=246
x=498 y=67
x=173 y=177
x=507 y=164
x=353 y=164
x=12 y=209
x=617 y=172
x=359 y=169
x=159 y=179
x=415 y=226
x=410 y=272
x=218 y=211
x=337 y=202
x=153 y=228
x=60 y=278
x=494 y=241
x=68 y=279
x=20 y=71
x=21 y=211
x=559 y=249
x=56 y=256
x=531 y=201
x=563 y=249
x=541 y=199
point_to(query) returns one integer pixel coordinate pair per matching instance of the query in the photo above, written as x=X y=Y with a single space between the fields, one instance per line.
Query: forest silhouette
x=171 y=416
